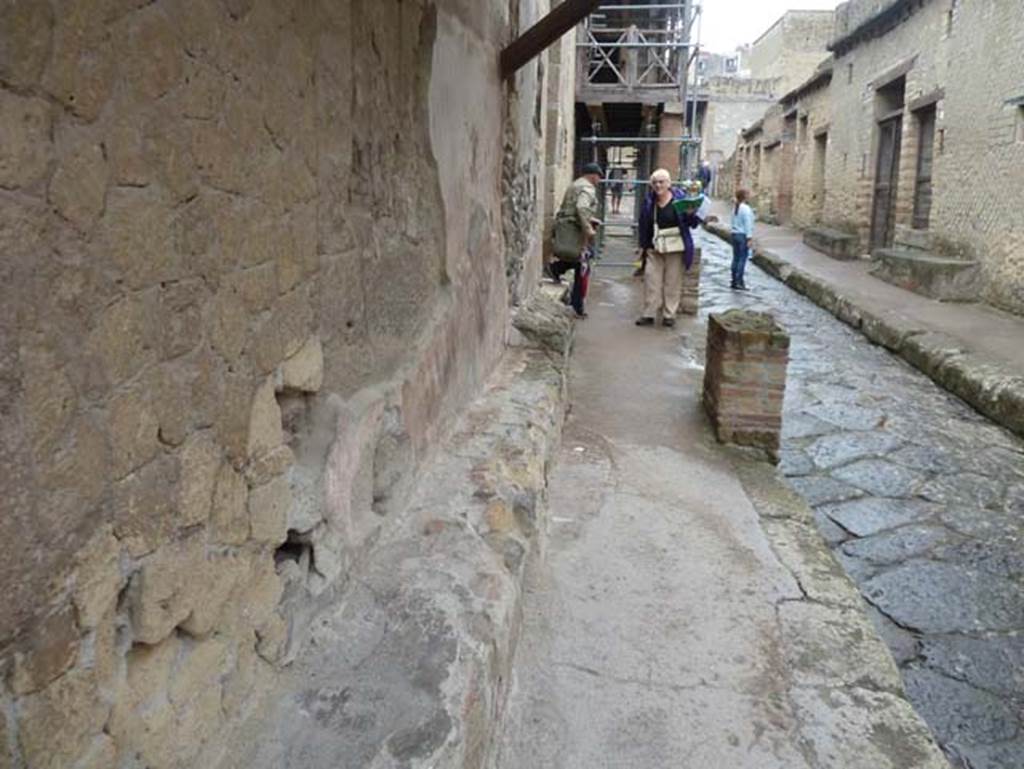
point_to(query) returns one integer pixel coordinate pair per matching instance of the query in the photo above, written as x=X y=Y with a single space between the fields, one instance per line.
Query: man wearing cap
x=578 y=214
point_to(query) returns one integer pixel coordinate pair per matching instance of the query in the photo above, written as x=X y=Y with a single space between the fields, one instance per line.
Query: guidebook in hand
x=693 y=200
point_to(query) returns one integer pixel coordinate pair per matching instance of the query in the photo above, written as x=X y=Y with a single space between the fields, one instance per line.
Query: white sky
x=729 y=23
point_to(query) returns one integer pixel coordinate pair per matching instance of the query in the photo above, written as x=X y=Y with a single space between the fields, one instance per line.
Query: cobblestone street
x=921 y=499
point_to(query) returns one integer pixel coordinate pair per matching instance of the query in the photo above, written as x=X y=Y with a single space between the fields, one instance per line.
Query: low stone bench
x=943 y=278
x=835 y=243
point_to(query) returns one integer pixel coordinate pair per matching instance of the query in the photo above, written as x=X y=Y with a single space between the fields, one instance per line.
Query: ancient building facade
x=779 y=60
x=922 y=137
x=791 y=48
x=807 y=110
x=733 y=103
x=255 y=256
x=781 y=159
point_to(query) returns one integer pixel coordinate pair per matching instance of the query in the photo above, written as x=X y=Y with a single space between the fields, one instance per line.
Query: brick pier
x=745 y=378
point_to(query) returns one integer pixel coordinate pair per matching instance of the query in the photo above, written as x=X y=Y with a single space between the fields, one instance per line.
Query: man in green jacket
x=579 y=204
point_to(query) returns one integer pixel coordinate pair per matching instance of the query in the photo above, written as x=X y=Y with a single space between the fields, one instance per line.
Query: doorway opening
x=889 y=101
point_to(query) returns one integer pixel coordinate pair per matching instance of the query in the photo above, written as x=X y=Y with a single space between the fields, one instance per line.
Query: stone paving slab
x=973 y=351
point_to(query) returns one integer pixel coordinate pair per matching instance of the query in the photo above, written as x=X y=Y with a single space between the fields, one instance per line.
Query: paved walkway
x=979 y=327
x=687 y=614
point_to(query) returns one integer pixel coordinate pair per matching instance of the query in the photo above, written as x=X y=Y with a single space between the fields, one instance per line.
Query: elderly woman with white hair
x=665 y=240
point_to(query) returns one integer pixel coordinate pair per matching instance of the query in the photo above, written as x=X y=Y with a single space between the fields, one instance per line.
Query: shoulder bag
x=567 y=239
x=670 y=239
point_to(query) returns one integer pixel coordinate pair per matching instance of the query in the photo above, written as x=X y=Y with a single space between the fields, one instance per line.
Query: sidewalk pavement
x=688 y=612
x=972 y=350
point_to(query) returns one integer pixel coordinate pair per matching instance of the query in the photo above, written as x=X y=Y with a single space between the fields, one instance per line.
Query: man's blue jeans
x=740 y=252
x=580 y=270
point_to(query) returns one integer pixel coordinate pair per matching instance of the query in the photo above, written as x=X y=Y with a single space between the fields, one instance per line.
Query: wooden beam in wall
x=542 y=34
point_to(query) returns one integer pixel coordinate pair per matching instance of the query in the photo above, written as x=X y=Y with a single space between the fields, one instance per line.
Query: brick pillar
x=689 y=297
x=745 y=378
x=668 y=152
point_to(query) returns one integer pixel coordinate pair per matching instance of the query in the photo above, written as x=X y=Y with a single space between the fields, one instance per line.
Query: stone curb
x=983 y=382
x=410 y=668
x=843 y=685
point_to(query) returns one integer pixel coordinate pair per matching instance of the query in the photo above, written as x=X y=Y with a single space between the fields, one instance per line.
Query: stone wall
x=792 y=47
x=977 y=152
x=767 y=161
x=811 y=151
x=853 y=13
x=732 y=105
x=523 y=167
x=978 y=146
x=255 y=258
x=560 y=128
x=981 y=151
x=667 y=154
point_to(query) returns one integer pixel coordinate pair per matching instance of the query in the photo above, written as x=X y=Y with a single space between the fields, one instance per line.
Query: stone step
x=835 y=243
x=938 y=277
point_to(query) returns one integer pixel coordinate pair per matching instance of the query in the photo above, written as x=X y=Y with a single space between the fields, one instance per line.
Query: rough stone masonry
x=252 y=264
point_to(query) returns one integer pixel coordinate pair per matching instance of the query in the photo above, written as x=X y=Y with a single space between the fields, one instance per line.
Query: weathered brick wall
x=976 y=153
x=745 y=378
x=733 y=104
x=982 y=154
x=767 y=168
x=851 y=14
x=560 y=128
x=850 y=164
x=524 y=169
x=253 y=258
x=813 y=117
x=667 y=153
x=729 y=173
x=978 y=145
x=792 y=47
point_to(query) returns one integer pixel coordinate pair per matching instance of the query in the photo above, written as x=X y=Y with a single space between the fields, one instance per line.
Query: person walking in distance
x=742 y=233
x=574 y=233
x=704 y=176
x=665 y=239
x=615 y=186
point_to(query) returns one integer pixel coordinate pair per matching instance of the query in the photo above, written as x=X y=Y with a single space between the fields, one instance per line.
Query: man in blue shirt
x=742 y=233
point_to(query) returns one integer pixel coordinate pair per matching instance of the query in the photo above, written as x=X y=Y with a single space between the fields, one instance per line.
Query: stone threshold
x=411 y=665
x=942 y=278
x=985 y=383
x=838 y=245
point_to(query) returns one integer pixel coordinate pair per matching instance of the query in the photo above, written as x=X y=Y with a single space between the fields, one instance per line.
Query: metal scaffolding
x=635 y=68
x=638 y=52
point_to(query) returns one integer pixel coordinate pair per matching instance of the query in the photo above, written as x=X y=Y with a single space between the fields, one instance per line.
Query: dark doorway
x=818 y=175
x=889 y=112
x=883 y=216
